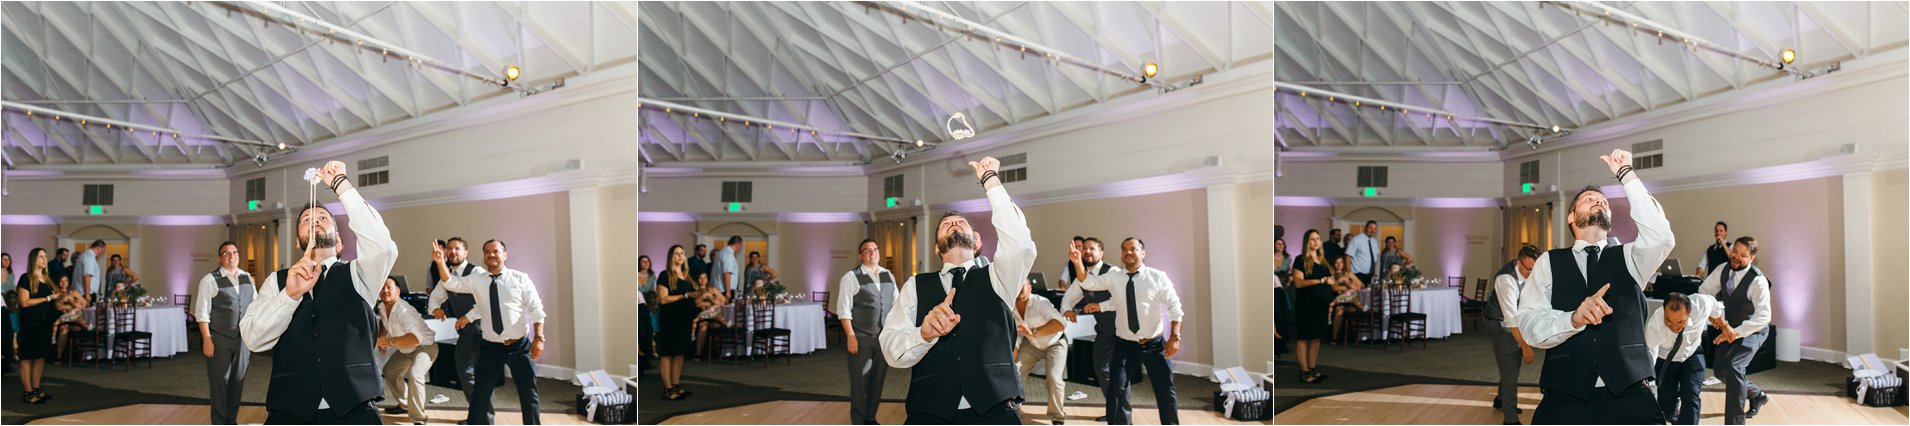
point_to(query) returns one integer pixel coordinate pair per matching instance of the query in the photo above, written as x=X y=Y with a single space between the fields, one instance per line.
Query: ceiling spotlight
x=281 y=146
x=510 y=74
x=1150 y=69
x=1534 y=142
x=898 y=156
x=1555 y=128
x=918 y=142
x=1789 y=55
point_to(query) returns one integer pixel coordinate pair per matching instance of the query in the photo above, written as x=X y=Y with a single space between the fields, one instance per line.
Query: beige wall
x=1889 y=209
x=1444 y=241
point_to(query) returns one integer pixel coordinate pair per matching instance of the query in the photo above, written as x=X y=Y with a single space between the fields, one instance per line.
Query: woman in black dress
x=1312 y=280
x=35 y=294
x=675 y=293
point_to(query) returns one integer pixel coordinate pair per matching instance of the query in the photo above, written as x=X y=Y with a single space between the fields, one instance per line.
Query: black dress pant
x=1634 y=405
x=492 y=359
x=1152 y=357
x=1678 y=390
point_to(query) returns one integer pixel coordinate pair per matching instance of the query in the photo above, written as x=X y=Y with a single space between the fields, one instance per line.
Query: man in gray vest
x=863 y=298
x=218 y=304
x=1508 y=346
x=1746 y=295
x=444 y=304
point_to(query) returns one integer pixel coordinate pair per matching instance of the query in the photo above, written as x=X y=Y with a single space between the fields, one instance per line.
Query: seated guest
x=416 y=347
x=70 y=304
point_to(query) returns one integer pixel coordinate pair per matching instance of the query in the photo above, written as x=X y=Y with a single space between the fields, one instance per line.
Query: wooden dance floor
x=1472 y=404
x=175 y=414
x=891 y=413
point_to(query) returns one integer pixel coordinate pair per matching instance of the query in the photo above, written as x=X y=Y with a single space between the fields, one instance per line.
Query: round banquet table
x=1441 y=306
x=167 y=323
x=804 y=321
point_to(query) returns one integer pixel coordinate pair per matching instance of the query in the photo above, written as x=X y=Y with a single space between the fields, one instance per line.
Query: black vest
x=455 y=304
x=326 y=352
x=975 y=360
x=1104 y=320
x=1715 y=257
x=1615 y=350
x=1492 y=303
x=1737 y=304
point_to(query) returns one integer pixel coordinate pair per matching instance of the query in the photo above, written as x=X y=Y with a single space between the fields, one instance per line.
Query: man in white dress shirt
x=1508 y=346
x=959 y=346
x=218 y=304
x=1673 y=334
x=316 y=316
x=1042 y=340
x=863 y=298
x=1746 y=295
x=513 y=315
x=1139 y=299
x=1586 y=307
x=1364 y=251
x=412 y=347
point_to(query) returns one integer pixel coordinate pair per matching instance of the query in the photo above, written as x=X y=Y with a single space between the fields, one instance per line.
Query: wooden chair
x=90 y=341
x=767 y=339
x=1363 y=324
x=1474 y=305
x=730 y=339
x=128 y=340
x=829 y=315
x=1400 y=321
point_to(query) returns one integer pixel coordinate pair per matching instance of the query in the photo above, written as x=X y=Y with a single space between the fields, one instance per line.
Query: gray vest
x=1737 y=304
x=1491 y=310
x=872 y=302
x=228 y=306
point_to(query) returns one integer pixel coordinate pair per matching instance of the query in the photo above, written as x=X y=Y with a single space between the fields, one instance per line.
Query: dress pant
x=414 y=367
x=1006 y=413
x=1506 y=353
x=867 y=371
x=225 y=372
x=1057 y=357
x=490 y=370
x=1152 y=357
x=1365 y=279
x=470 y=341
x=364 y=414
x=1633 y=405
x=1737 y=388
x=1678 y=390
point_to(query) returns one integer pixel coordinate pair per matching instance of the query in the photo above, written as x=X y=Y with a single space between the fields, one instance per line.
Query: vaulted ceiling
x=878 y=69
x=1540 y=63
x=225 y=69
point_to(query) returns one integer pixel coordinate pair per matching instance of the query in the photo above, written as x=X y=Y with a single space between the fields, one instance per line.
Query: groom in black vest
x=316 y=316
x=959 y=344
x=1585 y=306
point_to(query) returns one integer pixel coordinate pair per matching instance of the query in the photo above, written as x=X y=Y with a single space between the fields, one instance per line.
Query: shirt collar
x=970 y=264
x=1579 y=245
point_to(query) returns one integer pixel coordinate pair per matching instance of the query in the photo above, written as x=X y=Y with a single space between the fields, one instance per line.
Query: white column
x=1859 y=284
x=586 y=282
x=1223 y=266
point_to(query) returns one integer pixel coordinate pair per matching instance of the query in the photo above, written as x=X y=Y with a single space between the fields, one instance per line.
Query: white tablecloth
x=1441 y=306
x=166 y=323
x=804 y=321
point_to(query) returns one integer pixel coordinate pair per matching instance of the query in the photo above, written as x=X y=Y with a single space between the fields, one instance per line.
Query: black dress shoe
x=1102 y=419
x=1757 y=403
x=1496 y=404
x=394 y=410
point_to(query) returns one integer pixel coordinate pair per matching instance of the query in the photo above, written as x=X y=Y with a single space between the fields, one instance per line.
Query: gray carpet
x=823 y=376
x=181 y=379
x=1467 y=359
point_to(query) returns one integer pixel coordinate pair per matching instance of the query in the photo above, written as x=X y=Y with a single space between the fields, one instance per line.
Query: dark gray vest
x=326 y=351
x=1737 y=304
x=1492 y=303
x=1104 y=320
x=455 y=304
x=872 y=301
x=975 y=360
x=228 y=306
x=1615 y=350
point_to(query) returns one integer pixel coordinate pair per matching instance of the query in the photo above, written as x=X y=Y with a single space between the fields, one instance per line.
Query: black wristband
x=986 y=175
x=1622 y=170
x=336 y=181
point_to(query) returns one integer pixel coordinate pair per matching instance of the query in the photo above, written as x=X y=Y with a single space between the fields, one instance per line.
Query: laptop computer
x=1038 y=281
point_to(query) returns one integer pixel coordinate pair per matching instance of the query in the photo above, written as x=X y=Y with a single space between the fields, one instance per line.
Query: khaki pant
x=1057 y=358
x=415 y=366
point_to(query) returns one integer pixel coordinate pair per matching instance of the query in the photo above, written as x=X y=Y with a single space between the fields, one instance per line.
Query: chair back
x=1399 y=301
x=1482 y=289
x=125 y=319
x=181 y=299
x=762 y=315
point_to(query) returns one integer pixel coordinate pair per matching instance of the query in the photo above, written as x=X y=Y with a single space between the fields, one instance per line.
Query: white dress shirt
x=1154 y=296
x=1039 y=314
x=438 y=295
x=1658 y=337
x=902 y=342
x=518 y=302
x=1364 y=252
x=848 y=286
x=402 y=320
x=1507 y=287
x=726 y=262
x=209 y=287
x=1759 y=293
x=1074 y=294
x=271 y=310
x=1544 y=327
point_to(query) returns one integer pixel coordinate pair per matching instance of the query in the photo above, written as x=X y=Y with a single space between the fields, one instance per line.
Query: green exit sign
x=252 y=205
x=95 y=210
x=1369 y=192
x=892 y=201
x=735 y=207
x=1526 y=188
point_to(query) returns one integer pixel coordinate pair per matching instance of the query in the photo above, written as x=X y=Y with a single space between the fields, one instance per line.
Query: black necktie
x=1675 y=343
x=1133 y=315
x=497 y=313
x=1591 y=262
x=958 y=272
x=1727 y=283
